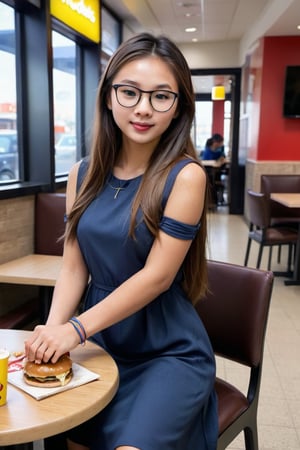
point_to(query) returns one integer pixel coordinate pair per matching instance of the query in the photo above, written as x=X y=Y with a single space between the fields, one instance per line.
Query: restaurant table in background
x=291 y=200
x=217 y=171
x=24 y=419
x=34 y=270
x=214 y=163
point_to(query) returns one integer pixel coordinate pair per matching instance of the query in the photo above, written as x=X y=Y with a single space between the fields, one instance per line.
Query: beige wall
x=207 y=55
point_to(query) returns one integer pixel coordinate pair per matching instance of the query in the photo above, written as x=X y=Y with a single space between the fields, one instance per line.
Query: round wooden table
x=25 y=419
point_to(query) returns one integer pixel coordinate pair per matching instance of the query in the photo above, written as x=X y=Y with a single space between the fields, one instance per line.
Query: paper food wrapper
x=81 y=376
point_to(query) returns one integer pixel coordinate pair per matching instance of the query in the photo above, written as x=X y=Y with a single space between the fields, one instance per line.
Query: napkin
x=81 y=376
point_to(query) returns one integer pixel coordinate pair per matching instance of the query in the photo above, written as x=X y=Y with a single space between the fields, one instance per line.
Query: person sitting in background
x=214 y=148
x=214 y=151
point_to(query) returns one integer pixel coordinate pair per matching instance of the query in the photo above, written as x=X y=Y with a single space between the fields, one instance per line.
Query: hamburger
x=49 y=374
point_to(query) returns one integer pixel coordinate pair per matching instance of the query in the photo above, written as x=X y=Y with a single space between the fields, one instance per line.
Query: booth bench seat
x=48 y=228
x=22 y=316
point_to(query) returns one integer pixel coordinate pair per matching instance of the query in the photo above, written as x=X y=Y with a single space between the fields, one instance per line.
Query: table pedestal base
x=57 y=442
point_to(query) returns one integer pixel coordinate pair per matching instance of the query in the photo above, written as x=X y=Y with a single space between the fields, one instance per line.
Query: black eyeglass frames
x=128 y=96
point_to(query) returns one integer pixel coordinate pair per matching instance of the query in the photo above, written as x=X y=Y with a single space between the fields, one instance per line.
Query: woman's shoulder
x=186 y=167
x=71 y=185
x=191 y=173
x=77 y=173
x=75 y=178
x=185 y=172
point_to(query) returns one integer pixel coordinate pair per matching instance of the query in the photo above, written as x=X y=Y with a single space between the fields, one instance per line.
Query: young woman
x=137 y=228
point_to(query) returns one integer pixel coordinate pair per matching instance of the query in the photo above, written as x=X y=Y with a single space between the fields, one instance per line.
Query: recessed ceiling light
x=187 y=4
x=194 y=40
x=188 y=14
x=298 y=27
x=190 y=30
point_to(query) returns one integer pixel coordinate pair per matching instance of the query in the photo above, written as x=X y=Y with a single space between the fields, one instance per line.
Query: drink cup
x=4 y=355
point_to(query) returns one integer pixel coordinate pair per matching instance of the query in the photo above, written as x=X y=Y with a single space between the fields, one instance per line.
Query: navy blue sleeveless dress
x=166 y=398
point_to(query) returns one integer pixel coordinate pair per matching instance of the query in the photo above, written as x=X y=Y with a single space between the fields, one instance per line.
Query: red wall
x=218 y=117
x=272 y=137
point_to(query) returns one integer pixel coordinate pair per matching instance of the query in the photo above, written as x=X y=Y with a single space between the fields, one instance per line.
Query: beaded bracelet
x=79 y=328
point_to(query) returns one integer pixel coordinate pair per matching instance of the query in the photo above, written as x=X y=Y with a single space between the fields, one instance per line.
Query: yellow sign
x=81 y=15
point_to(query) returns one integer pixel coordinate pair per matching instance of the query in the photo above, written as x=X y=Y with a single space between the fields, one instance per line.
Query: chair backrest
x=235 y=311
x=280 y=183
x=258 y=209
x=49 y=223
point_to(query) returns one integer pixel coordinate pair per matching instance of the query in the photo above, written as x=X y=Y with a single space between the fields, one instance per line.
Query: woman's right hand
x=49 y=342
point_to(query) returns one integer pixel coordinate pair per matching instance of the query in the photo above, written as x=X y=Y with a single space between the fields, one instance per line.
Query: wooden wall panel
x=16 y=227
x=16 y=239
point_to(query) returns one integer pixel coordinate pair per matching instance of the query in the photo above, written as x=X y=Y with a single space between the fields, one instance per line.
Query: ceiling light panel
x=183 y=8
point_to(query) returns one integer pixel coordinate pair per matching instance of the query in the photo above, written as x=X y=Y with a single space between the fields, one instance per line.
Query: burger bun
x=49 y=374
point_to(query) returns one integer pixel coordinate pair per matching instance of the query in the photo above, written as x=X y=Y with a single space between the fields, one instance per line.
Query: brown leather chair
x=280 y=214
x=235 y=313
x=50 y=211
x=261 y=231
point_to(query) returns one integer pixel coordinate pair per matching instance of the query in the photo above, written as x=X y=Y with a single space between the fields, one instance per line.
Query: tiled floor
x=279 y=405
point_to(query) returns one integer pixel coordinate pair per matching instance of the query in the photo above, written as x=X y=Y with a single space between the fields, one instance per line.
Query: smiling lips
x=141 y=126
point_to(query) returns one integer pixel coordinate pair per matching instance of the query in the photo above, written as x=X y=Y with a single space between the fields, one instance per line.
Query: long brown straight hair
x=175 y=144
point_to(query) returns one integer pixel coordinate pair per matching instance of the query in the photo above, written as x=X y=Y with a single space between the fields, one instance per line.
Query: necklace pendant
x=117 y=189
x=117 y=192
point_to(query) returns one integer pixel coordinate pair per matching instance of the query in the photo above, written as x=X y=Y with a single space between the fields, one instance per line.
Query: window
x=202 y=124
x=41 y=141
x=9 y=156
x=64 y=98
x=227 y=127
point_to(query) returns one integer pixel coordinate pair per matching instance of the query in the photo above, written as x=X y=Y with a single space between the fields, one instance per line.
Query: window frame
x=35 y=117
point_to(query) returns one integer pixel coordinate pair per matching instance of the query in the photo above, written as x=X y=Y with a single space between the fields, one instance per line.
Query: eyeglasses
x=128 y=96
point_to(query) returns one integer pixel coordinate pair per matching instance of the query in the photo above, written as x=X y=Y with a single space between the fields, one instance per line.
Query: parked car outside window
x=65 y=153
x=9 y=156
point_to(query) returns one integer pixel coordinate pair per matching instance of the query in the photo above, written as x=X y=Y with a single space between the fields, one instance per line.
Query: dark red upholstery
x=235 y=313
x=50 y=209
x=236 y=403
x=21 y=316
x=281 y=183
